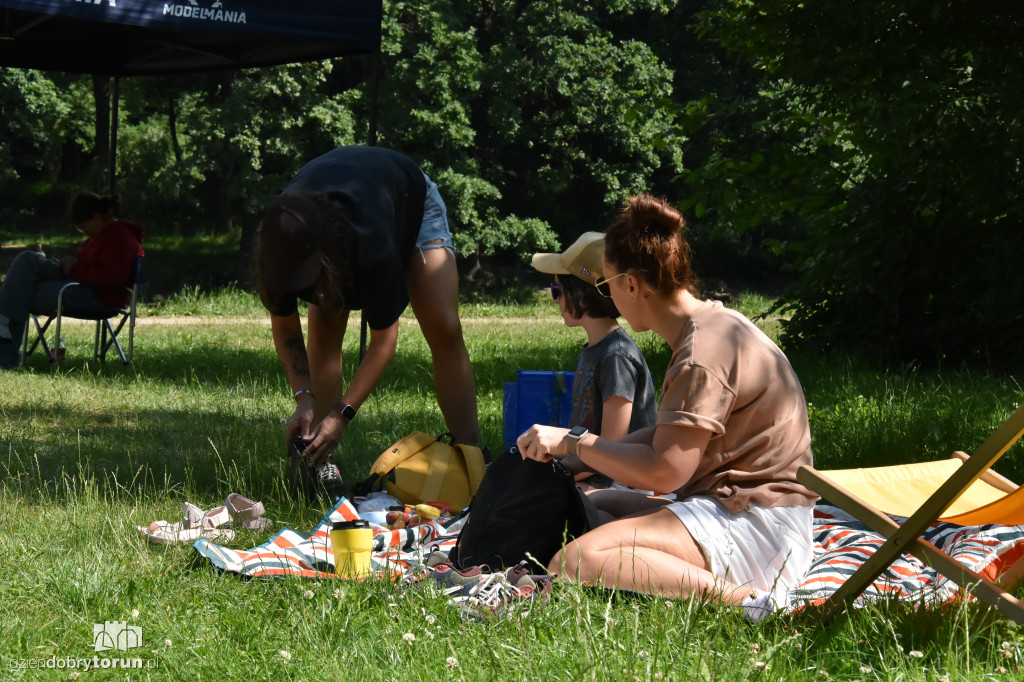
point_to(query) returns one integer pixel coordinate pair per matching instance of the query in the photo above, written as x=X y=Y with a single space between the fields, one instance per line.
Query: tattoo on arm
x=297 y=355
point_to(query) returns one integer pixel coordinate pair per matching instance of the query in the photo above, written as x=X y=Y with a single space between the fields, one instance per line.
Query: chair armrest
x=993 y=478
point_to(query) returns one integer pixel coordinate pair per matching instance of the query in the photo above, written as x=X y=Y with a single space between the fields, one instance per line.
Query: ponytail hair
x=85 y=205
x=646 y=239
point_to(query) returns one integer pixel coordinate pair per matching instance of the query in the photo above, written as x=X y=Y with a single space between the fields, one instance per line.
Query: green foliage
x=39 y=115
x=885 y=151
x=531 y=118
x=213 y=148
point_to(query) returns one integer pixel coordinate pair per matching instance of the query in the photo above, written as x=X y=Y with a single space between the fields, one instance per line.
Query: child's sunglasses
x=556 y=290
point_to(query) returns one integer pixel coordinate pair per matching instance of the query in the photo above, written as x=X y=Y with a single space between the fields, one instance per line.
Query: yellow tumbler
x=351 y=542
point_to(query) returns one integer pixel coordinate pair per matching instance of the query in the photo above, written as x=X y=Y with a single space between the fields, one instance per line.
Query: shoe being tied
x=315 y=482
x=328 y=480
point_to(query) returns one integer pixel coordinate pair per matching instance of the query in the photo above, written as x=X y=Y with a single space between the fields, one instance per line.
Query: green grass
x=89 y=453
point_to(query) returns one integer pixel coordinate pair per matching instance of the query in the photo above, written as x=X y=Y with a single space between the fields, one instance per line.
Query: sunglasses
x=602 y=284
x=556 y=290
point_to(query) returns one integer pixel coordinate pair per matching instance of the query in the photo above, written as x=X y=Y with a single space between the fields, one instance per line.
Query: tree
x=533 y=114
x=888 y=135
x=44 y=119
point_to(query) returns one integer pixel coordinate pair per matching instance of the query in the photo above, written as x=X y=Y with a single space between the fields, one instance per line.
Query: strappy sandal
x=164 y=533
x=197 y=524
x=245 y=513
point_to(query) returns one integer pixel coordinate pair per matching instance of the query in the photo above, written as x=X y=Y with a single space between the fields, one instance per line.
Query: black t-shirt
x=381 y=193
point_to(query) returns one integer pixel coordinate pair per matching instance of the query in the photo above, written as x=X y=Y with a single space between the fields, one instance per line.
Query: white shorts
x=765 y=548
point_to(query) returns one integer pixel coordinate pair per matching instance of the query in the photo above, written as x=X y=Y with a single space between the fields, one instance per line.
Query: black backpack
x=522 y=507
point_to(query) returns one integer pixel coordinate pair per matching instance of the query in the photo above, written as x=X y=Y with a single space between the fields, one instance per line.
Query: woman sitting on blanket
x=731 y=433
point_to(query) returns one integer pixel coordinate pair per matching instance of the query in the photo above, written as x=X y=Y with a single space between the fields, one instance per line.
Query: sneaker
x=302 y=481
x=487 y=597
x=493 y=595
x=328 y=480
x=527 y=585
x=312 y=483
x=443 y=575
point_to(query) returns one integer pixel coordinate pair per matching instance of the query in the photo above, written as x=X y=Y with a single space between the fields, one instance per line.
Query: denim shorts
x=435 y=222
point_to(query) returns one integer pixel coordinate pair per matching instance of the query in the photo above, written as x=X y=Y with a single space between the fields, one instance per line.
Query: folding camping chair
x=106 y=317
x=963 y=485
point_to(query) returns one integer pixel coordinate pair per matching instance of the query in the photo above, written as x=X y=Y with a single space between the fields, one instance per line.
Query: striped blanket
x=309 y=555
x=841 y=545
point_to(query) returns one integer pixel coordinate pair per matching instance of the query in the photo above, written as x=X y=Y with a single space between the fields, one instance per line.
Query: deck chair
x=110 y=321
x=961 y=490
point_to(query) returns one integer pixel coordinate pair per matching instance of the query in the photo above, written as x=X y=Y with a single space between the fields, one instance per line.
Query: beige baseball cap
x=582 y=259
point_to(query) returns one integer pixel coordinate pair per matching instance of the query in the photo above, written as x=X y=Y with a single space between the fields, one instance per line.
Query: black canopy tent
x=147 y=37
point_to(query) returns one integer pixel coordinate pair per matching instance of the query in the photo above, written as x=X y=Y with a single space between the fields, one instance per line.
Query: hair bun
x=656 y=215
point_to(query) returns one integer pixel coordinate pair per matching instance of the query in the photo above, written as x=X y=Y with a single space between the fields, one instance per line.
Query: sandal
x=244 y=513
x=211 y=518
x=163 y=533
x=196 y=524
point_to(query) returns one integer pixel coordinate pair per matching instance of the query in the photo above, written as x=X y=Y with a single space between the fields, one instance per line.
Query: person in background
x=103 y=264
x=360 y=228
x=612 y=393
x=731 y=432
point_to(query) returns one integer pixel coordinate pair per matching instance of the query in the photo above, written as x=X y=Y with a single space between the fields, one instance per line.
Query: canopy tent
x=139 y=37
x=147 y=37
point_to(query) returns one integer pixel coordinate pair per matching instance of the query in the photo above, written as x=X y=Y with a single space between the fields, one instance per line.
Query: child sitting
x=613 y=393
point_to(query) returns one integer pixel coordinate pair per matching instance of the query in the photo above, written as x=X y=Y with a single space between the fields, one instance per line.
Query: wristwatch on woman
x=575 y=434
x=346 y=411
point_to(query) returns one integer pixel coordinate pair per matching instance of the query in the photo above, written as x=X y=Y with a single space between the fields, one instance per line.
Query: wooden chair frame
x=906 y=537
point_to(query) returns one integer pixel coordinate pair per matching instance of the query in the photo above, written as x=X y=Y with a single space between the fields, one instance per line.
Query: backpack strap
x=475 y=466
x=392 y=457
x=438 y=472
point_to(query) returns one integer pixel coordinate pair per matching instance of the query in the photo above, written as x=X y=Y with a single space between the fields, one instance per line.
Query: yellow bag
x=422 y=468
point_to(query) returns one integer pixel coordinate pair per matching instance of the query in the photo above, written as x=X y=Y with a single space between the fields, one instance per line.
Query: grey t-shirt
x=612 y=367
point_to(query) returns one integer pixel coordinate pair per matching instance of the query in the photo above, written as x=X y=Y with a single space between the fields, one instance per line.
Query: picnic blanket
x=309 y=555
x=841 y=546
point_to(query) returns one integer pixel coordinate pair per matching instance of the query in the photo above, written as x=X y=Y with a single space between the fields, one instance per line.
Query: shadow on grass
x=213 y=413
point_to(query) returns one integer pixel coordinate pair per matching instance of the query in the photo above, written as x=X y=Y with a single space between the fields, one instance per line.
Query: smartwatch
x=346 y=411
x=574 y=435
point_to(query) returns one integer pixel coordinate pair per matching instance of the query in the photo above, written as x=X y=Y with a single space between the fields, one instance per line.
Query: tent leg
x=374 y=82
x=115 y=99
x=372 y=141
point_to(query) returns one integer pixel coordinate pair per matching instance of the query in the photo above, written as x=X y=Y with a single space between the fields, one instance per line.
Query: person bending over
x=103 y=264
x=612 y=392
x=360 y=228
x=731 y=432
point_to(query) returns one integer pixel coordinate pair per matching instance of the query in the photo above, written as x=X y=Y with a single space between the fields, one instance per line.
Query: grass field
x=90 y=452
